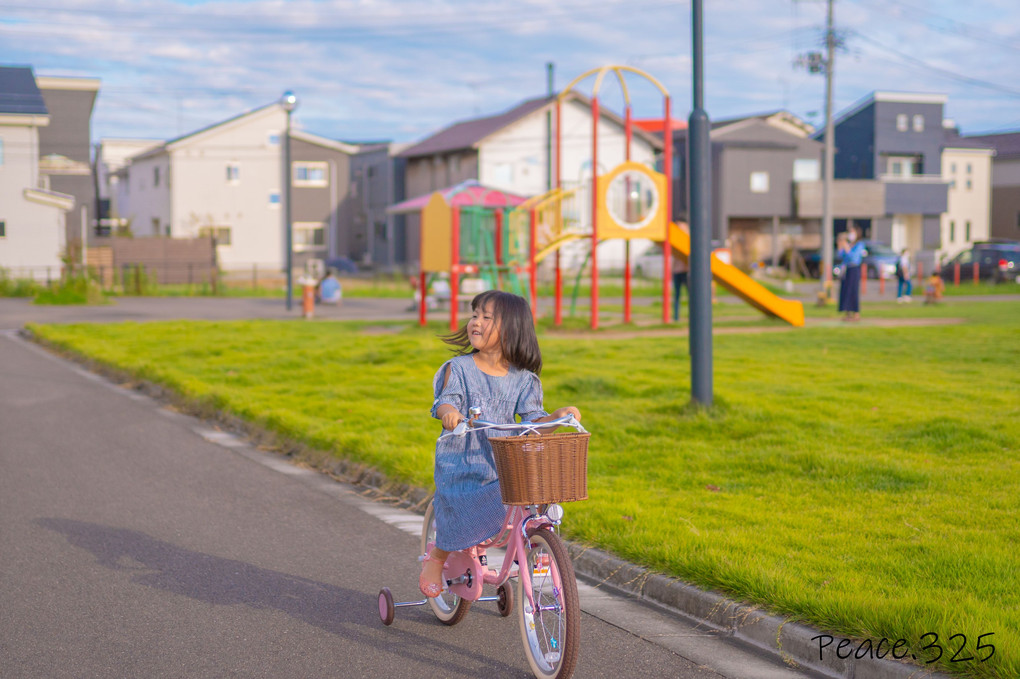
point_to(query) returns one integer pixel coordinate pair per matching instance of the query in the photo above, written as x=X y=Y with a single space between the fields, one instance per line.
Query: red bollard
x=976 y=276
x=864 y=280
x=956 y=273
x=881 y=285
x=308 y=299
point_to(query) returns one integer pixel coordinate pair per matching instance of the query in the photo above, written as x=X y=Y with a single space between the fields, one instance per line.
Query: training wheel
x=386 y=605
x=505 y=600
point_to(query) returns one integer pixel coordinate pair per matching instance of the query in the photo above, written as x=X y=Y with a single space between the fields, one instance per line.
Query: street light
x=289 y=102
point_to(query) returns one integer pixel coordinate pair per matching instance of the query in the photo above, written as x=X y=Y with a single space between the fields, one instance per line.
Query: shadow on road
x=211 y=579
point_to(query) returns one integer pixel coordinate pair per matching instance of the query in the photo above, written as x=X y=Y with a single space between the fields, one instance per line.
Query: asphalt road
x=139 y=542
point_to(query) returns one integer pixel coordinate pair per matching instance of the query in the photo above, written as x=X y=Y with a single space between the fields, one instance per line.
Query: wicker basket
x=542 y=469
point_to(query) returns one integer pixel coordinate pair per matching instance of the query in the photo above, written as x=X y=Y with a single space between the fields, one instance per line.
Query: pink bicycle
x=536 y=472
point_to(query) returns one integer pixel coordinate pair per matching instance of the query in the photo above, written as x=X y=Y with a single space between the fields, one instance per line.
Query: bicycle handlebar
x=523 y=427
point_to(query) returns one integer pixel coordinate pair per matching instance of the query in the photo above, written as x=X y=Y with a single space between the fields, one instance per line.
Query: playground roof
x=468 y=192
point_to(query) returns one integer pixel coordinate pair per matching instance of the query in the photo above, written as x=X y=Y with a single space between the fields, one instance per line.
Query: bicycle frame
x=514 y=538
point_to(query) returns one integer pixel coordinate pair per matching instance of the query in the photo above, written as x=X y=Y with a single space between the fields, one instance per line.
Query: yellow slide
x=742 y=285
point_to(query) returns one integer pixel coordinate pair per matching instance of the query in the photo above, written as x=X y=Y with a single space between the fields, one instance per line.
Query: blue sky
x=401 y=69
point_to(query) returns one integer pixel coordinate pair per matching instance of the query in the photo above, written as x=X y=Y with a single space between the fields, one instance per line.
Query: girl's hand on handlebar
x=568 y=410
x=451 y=419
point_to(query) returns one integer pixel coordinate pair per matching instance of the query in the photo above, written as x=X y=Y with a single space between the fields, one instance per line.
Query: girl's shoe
x=429 y=589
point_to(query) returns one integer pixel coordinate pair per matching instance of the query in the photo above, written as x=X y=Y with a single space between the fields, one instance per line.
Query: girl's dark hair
x=517 y=338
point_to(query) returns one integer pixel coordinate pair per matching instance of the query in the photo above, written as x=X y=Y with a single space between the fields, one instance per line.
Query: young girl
x=497 y=370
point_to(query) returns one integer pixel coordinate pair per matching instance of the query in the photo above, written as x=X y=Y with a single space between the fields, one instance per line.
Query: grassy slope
x=863 y=479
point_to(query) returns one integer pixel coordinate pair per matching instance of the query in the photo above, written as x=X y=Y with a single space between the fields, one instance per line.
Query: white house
x=112 y=155
x=967 y=166
x=227 y=181
x=32 y=218
x=510 y=151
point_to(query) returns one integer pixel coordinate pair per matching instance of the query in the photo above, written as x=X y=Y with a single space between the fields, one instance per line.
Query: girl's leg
x=430 y=582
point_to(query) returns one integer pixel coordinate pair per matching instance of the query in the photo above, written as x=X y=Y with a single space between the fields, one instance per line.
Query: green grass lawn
x=862 y=479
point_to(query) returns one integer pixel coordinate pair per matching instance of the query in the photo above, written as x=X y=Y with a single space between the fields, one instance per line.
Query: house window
x=1 y=152
x=952 y=183
x=155 y=226
x=970 y=185
x=805 y=170
x=952 y=168
x=155 y=177
x=310 y=174
x=503 y=174
x=233 y=173
x=220 y=233
x=966 y=231
x=918 y=123
x=759 y=182
x=274 y=200
x=952 y=231
x=3 y=229
x=902 y=122
x=274 y=138
x=309 y=236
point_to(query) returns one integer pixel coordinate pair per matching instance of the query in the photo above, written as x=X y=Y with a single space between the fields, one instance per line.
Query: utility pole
x=548 y=127
x=815 y=63
x=829 y=167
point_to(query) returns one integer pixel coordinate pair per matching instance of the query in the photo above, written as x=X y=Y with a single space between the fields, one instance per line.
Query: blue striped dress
x=468 y=506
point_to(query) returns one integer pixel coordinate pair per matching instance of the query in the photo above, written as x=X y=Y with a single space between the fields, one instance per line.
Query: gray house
x=377 y=239
x=897 y=138
x=1005 y=219
x=65 y=147
x=767 y=196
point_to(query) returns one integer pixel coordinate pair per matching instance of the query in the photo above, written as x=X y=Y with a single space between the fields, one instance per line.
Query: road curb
x=795 y=643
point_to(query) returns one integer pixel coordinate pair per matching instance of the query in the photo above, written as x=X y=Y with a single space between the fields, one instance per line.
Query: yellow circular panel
x=632 y=199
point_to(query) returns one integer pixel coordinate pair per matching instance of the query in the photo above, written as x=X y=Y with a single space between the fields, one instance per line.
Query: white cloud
x=399 y=69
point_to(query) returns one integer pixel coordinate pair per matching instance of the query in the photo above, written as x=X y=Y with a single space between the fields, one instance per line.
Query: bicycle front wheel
x=551 y=627
x=448 y=607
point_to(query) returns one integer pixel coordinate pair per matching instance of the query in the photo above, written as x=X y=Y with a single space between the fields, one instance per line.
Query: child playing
x=497 y=370
x=933 y=289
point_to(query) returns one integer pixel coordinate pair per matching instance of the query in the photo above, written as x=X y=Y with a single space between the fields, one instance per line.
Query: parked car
x=811 y=257
x=998 y=261
x=341 y=265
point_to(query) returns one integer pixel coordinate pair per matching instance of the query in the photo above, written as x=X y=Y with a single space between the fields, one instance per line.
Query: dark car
x=998 y=261
x=880 y=262
x=341 y=265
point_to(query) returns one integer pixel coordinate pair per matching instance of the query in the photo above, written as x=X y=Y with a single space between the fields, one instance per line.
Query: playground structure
x=501 y=239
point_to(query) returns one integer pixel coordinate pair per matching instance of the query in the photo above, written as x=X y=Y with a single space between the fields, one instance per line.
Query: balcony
x=851 y=198
x=915 y=194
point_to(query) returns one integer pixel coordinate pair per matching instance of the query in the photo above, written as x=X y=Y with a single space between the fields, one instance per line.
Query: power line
x=977 y=82
x=951 y=25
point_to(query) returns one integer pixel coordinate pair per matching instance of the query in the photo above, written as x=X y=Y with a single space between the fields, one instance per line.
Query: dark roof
x=465 y=134
x=1006 y=144
x=18 y=92
x=953 y=140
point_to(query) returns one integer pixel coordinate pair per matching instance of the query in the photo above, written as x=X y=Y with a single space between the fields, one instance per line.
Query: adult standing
x=852 y=253
x=679 y=280
x=903 y=285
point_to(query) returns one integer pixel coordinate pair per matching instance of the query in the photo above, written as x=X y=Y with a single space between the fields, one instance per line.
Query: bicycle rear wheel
x=448 y=607
x=551 y=629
